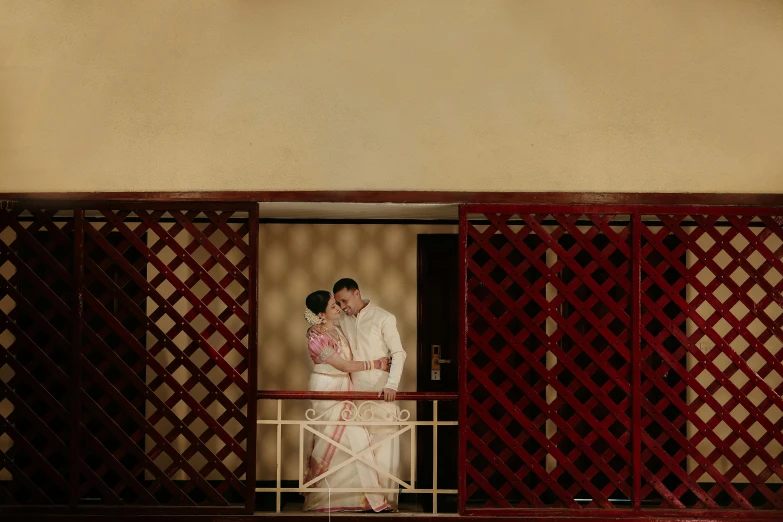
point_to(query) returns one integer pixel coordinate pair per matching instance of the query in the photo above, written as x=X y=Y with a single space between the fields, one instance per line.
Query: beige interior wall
x=296 y=259
x=503 y=95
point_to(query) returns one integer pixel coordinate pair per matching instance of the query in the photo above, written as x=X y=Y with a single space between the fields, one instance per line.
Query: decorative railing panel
x=36 y=340
x=621 y=360
x=355 y=410
x=711 y=361
x=547 y=361
x=158 y=313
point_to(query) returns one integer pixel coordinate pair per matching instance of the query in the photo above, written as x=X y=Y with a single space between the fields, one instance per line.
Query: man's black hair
x=345 y=283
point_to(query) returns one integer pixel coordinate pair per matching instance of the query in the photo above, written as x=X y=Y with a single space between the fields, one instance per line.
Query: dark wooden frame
x=443 y=197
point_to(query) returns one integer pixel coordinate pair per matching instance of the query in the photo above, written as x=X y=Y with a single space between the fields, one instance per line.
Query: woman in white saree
x=331 y=353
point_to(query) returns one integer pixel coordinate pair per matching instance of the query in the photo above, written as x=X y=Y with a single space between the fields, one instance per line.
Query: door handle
x=435 y=357
x=436 y=361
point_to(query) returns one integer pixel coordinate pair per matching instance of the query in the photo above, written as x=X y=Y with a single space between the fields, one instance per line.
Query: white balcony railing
x=363 y=415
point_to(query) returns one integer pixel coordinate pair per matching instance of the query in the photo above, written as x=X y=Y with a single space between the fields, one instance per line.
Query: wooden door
x=437 y=325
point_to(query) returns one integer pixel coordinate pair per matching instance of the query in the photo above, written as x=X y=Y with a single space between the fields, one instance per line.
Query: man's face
x=349 y=300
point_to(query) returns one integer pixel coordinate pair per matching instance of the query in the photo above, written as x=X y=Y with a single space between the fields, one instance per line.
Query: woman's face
x=332 y=312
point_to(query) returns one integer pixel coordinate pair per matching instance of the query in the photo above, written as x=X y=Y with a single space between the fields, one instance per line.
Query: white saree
x=324 y=458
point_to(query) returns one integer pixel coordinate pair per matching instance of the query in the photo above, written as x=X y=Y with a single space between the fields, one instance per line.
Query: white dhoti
x=387 y=455
x=382 y=438
x=324 y=458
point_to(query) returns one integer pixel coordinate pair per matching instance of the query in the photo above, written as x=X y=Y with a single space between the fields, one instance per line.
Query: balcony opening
x=405 y=259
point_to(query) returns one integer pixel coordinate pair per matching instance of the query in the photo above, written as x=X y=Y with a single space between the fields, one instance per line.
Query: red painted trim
x=350 y=396
x=636 y=362
x=129 y=513
x=252 y=358
x=462 y=361
x=209 y=515
x=63 y=203
x=406 y=196
x=623 y=208
x=594 y=515
x=76 y=348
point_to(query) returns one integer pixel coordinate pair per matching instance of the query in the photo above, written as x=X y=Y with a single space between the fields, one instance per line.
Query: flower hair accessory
x=311 y=317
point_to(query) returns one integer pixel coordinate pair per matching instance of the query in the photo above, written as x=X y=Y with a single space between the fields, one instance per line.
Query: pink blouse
x=321 y=347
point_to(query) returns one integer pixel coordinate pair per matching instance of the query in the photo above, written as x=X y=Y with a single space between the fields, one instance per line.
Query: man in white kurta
x=372 y=333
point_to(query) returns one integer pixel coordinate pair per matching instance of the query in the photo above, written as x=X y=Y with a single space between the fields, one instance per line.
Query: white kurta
x=373 y=334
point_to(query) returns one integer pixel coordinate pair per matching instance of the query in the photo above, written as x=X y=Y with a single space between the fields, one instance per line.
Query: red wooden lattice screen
x=620 y=361
x=128 y=338
x=36 y=334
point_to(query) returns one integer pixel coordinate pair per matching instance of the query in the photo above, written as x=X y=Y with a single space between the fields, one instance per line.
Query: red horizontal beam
x=414 y=196
x=209 y=514
x=619 y=515
x=350 y=396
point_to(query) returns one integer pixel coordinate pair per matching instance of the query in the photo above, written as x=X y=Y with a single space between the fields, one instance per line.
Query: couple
x=359 y=352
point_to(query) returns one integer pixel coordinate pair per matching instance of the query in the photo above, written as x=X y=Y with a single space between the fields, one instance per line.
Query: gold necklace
x=333 y=332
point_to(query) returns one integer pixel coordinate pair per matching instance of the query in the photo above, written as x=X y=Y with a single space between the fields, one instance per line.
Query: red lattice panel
x=711 y=333
x=126 y=342
x=547 y=378
x=165 y=358
x=36 y=318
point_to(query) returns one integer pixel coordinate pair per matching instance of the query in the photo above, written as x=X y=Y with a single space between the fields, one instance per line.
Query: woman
x=331 y=353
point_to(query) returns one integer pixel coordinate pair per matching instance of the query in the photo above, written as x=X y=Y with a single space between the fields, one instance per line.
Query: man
x=372 y=333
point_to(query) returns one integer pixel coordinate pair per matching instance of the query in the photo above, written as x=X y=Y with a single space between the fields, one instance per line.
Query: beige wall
x=295 y=260
x=505 y=95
